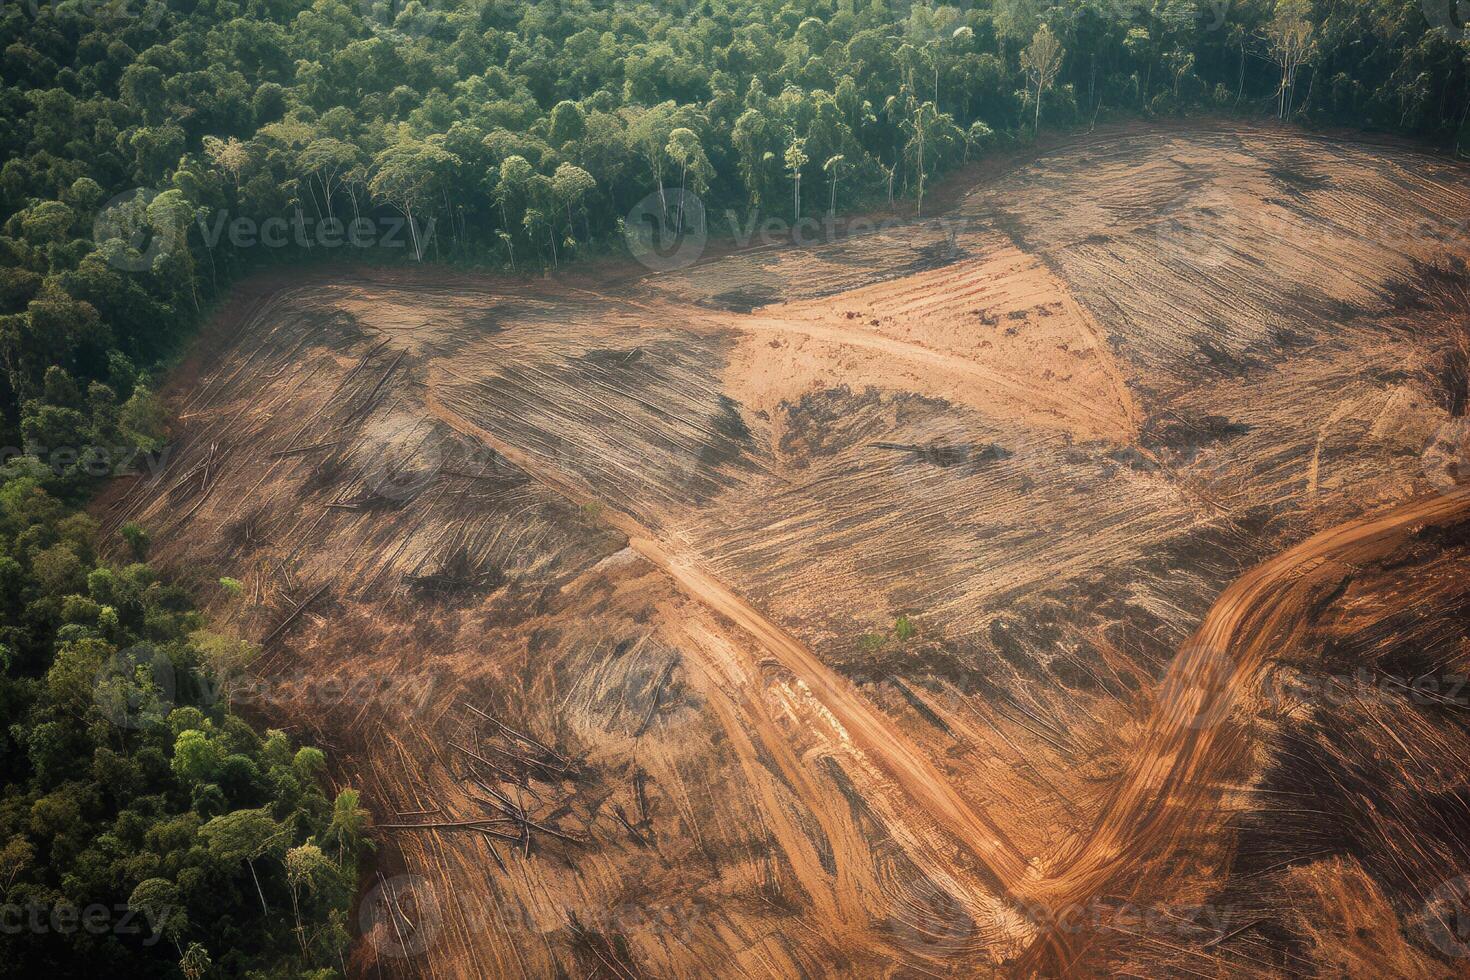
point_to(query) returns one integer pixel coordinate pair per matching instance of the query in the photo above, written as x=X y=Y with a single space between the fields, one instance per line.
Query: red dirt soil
x=606 y=574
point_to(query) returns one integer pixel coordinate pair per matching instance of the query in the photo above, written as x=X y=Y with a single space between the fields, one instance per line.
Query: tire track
x=1182 y=757
x=929 y=793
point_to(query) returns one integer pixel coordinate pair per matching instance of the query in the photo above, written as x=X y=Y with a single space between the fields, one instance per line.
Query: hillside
x=813 y=610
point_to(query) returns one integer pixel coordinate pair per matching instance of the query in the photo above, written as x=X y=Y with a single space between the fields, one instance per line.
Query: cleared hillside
x=810 y=611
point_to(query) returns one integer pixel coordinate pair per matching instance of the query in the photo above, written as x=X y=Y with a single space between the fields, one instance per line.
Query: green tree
x=977 y=136
x=244 y=836
x=330 y=161
x=411 y=175
x=513 y=181
x=307 y=870
x=650 y=130
x=225 y=657
x=796 y=159
x=136 y=538
x=571 y=185
x=162 y=905
x=568 y=124
x=142 y=420
x=833 y=168
x=751 y=142
x=229 y=156
x=348 y=829
x=1290 y=42
x=685 y=149
x=1042 y=61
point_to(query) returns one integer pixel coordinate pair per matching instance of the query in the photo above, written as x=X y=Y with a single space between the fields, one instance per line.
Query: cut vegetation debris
x=621 y=552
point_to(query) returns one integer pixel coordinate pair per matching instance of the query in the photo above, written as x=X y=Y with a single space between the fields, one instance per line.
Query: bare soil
x=815 y=611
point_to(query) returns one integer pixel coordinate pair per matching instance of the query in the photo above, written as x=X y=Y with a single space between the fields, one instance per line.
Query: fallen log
x=291 y=616
x=658 y=695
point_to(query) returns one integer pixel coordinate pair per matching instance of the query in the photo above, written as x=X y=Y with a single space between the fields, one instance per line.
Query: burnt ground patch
x=1297 y=175
x=961 y=457
x=728 y=436
x=935 y=255
x=744 y=300
x=1186 y=437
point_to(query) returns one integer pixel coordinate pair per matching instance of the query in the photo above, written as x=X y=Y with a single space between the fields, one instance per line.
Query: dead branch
x=658 y=695
x=291 y=616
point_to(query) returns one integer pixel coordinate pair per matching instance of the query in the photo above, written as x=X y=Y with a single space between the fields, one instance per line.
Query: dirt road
x=1184 y=755
x=929 y=792
x=1187 y=753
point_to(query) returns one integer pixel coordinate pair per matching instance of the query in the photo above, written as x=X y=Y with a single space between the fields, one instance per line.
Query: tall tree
x=230 y=156
x=1290 y=42
x=751 y=141
x=796 y=158
x=1042 y=60
x=650 y=130
x=512 y=184
x=329 y=160
x=833 y=167
x=570 y=185
x=245 y=836
x=411 y=176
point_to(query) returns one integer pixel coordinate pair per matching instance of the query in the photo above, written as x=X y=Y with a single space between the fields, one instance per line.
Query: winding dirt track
x=1065 y=393
x=1182 y=757
x=1184 y=754
x=1001 y=862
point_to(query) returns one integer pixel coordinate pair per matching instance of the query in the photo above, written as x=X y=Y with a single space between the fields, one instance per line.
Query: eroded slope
x=665 y=530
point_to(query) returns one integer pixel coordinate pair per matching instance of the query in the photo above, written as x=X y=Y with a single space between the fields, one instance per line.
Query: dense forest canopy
x=521 y=132
x=154 y=151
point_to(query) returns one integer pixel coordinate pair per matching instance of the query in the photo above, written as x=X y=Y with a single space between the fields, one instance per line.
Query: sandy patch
x=998 y=333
